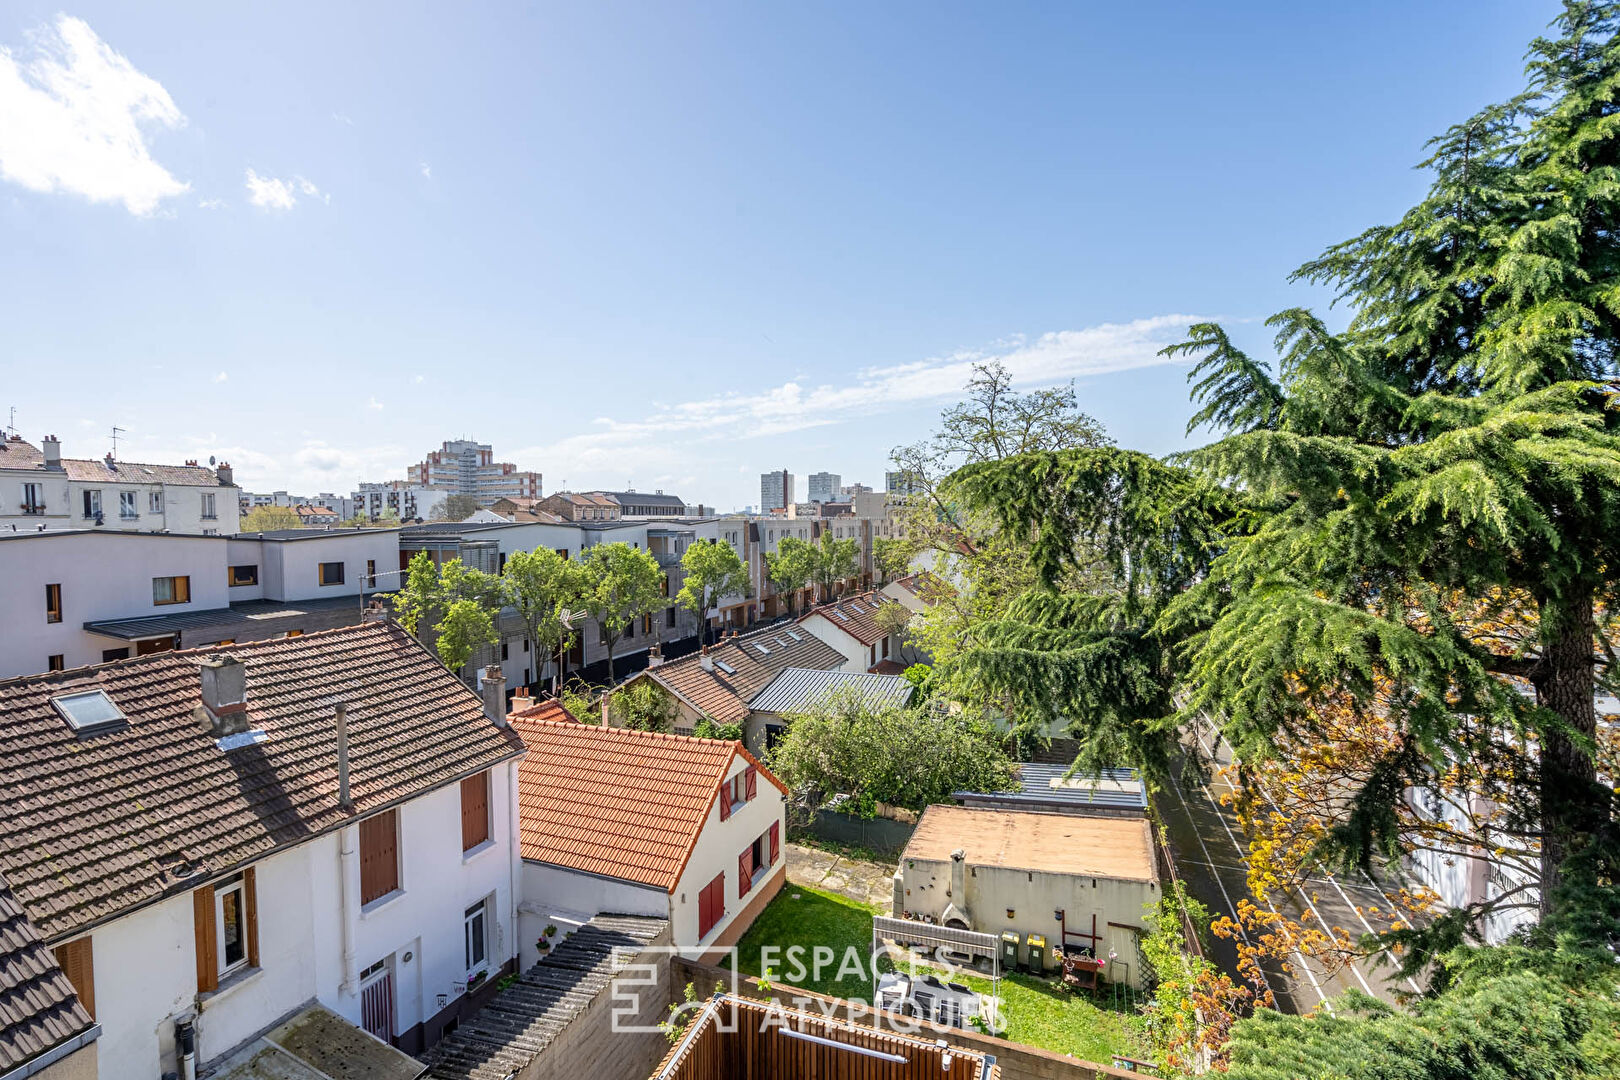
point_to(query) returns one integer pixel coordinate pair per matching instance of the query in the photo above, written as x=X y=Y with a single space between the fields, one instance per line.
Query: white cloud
x=373 y=404
x=74 y=117
x=269 y=193
x=342 y=119
x=210 y=204
x=221 y=377
x=418 y=378
x=427 y=170
x=793 y=406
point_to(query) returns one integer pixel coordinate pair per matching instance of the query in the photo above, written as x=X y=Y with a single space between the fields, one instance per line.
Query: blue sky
x=675 y=245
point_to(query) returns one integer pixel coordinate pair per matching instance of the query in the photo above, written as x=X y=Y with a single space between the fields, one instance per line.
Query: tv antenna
x=116 y=431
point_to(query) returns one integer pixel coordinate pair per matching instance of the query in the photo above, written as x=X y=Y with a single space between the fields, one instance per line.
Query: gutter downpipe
x=514 y=856
x=348 y=867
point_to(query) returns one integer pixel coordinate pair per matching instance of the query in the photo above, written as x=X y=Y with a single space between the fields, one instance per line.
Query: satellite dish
x=210 y=459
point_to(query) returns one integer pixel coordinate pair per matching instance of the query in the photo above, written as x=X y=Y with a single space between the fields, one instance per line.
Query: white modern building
x=465 y=467
x=41 y=489
x=398 y=499
x=823 y=487
x=209 y=841
x=89 y=596
x=775 y=490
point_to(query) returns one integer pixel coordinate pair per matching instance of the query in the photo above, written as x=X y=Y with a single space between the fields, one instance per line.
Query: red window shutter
x=703 y=911
x=725 y=801
x=776 y=841
x=745 y=871
x=750 y=783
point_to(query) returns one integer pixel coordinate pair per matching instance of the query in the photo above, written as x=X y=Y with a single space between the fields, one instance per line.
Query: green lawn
x=1038 y=1012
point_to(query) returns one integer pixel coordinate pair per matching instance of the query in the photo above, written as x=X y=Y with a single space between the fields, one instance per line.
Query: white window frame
x=476 y=915
x=127 y=506
x=154 y=502
x=92 y=502
x=225 y=888
x=208 y=506
x=33 y=498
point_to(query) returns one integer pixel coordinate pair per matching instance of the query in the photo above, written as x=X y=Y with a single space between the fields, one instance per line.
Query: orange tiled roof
x=549 y=709
x=855 y=615
x=924 y=586
x=621 y=803
x=724 y=695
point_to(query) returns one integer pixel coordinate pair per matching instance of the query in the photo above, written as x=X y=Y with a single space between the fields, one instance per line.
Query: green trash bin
x=1009 y=950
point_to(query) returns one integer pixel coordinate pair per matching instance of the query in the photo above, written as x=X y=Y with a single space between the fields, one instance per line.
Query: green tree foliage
x=544 y=589
x=709 y=728
x=905 y=757
x=712 y=570
x=643 y=705
x=269 y=518
x=834 y=561
x=454 y=508
x=466 y=625
x=792 y=565
x=892 y=557
x=621 y=583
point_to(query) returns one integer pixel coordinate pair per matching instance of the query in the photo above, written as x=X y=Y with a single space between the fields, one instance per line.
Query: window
x=711 y=905
x=379 y=856
x=737 y=791
x=53 y=603
x=473 y=923
x=371 y=572
x=55 y=662
x=109 y=655
x=154 y=502
x=126 y=505
x=208 y=505
x=474 y=811
x=225 y=921
x=92 y=504
x=647 y=625
x=331 y=573
x=171 y=590
x=33 y=501
x=77 y=961
x=244 y=575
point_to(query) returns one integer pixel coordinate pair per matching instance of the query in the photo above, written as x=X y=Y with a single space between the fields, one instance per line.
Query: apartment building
x=41 y=489
x=902 y=482
x=87 y=596
x=465 y=467
x=775 y=491
x=329 y=818
x=581 y=506
x=823 y=487
x=342 y=506
x=398 y=499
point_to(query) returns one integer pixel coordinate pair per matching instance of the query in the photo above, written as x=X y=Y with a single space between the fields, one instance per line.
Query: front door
x=377 y=1001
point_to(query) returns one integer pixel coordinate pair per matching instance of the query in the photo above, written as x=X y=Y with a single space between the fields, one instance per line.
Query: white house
x=86 y=596
x=210 y=840
x=640 y=823
x=850 y=625
x=41 y=488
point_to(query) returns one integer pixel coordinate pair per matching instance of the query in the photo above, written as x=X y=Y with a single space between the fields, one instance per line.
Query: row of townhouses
x=40 y=489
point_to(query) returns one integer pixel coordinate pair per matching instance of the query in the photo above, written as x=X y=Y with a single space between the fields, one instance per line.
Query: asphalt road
x=1208 y=848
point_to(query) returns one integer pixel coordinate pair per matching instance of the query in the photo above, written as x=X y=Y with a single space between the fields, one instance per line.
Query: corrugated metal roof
x=1046 y=785
x=797 y=689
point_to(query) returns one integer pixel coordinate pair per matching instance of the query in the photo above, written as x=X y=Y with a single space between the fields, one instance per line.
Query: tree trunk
x=1570 y=808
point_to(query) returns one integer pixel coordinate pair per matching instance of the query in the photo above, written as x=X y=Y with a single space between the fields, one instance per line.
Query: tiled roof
x=549 y=709
x=924 y=586
x=133 y=472
x=724 y=695
x=854 y=615
x=94 y=826
x=797 y=689
x=17 y=454
x=621 y=803
x=38 y=1008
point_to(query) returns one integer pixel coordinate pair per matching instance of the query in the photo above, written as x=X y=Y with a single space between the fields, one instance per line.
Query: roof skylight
x=763 y=651
x=89 y=711
x=725 y=667
x=840 y=614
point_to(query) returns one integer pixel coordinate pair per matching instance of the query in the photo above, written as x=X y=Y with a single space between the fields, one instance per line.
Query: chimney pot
x=224 y=694
x=52 y=447
x=223 y=471
x=494 y=694
x=705 y=661
x=522 y=699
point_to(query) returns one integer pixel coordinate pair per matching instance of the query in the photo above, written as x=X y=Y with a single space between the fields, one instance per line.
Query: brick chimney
x=53 y=451
x=223 y=471
x=494 y=693
x=522 y=699
x=224 y=694
x=705 y=661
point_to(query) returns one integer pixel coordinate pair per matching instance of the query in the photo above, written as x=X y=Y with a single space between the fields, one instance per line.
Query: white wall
x=106 y=576
x=855 y=654
x=717 y=849
x=296 y=563
x=145 y=962
x=548 y=889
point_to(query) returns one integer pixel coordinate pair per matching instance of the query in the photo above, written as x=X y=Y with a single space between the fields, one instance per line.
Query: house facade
x=850 y=624
x=214 y=839
x=642 y=823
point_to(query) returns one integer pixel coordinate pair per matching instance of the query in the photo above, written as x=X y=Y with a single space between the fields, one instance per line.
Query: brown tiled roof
x=549 y=709
x=625 y=804
x=535 y=517
x=724 y=695
x=924 y=586
x=94 y=826
x=133 y=472
x=38 y=1008
x=854 y=615
x=17 y=454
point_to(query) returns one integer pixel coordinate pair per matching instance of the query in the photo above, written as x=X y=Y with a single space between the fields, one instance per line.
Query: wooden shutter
x=202 y=907
x=725 y=800
x=250 y=901
x=474 y=811
x=776 y=841
x=77 y=961
x=745 y=870
x=704 y=922
x=750 y=783
x=379 y=856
